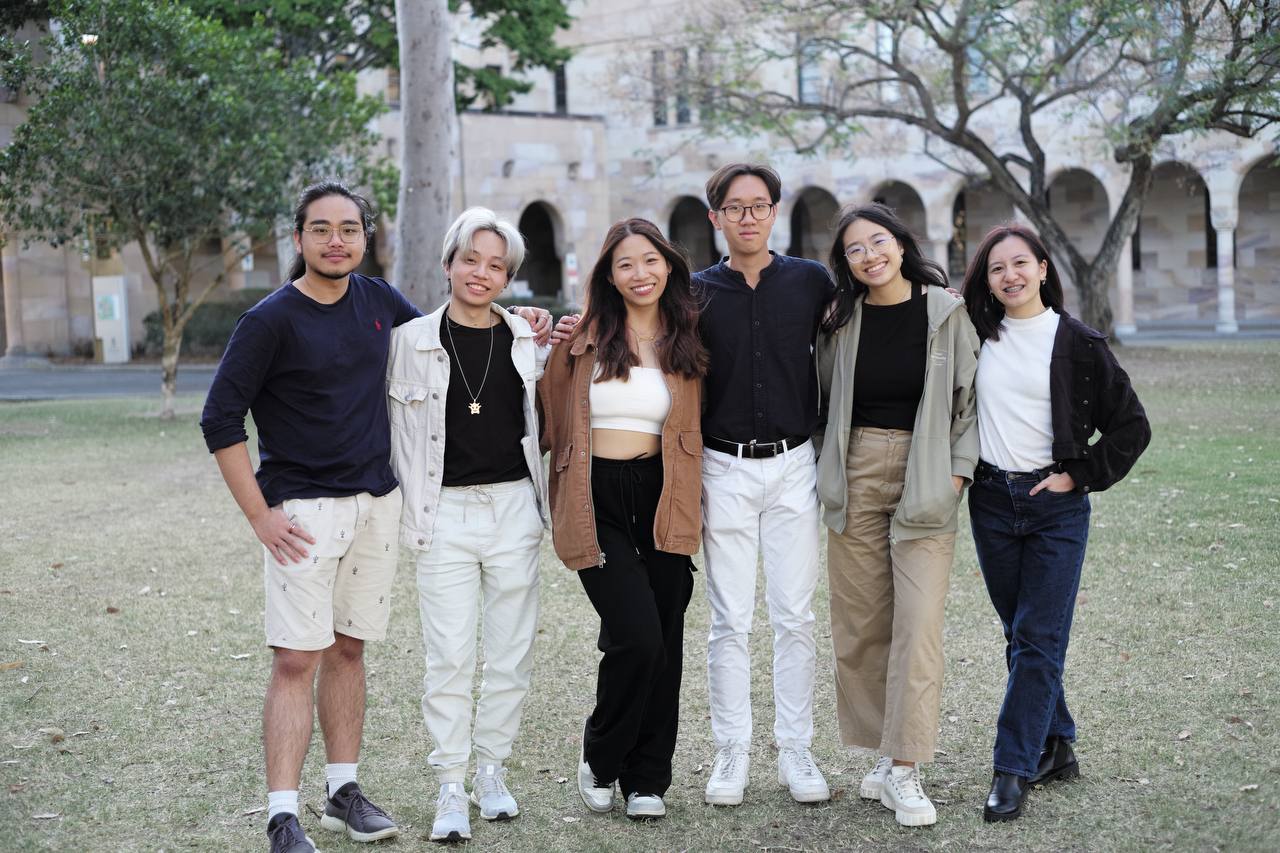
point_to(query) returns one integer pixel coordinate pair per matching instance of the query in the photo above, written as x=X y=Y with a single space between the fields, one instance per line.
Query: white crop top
x=640 y=404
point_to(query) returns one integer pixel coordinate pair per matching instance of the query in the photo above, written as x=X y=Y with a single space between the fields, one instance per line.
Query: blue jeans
x=1031 y=549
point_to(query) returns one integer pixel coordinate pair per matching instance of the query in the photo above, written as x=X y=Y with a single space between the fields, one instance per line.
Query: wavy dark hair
x=916 y=268
x=679 y=346
x=984 y=309
x=324 y=189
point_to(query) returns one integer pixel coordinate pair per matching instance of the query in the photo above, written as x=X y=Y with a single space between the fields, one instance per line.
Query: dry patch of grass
x=133 y=722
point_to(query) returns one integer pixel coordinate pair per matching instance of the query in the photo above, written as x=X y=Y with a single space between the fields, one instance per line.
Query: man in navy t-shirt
x=309 y=361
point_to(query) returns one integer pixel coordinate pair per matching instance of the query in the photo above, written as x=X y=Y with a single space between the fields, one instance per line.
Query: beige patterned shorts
x=344 y=584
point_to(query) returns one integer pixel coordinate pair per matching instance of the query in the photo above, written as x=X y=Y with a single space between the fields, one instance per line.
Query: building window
x=393 y=88
x=562 y=91
x=1135 y=245
x=682 y=86
x=659 y=74
x=809 y=73
x=706 y=78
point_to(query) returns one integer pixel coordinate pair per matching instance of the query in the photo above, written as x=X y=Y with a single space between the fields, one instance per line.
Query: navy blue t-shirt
x=314 y=377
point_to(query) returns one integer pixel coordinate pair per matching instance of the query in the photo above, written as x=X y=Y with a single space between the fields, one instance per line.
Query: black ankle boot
x=1058 y=761
x=1005 y=800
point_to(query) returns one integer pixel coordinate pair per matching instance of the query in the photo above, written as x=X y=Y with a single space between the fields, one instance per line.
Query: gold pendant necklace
x=474 y=405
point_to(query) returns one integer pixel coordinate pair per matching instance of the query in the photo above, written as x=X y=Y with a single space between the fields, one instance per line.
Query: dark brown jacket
x=564 y=405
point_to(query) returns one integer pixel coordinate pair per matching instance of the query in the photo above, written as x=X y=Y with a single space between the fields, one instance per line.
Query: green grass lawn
x=132 y=663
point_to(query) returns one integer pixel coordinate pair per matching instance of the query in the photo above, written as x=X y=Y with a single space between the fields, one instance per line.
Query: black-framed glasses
x=734 y=212
x=324 y=233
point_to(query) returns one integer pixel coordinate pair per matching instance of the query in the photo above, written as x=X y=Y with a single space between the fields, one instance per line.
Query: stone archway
x=1257 y=279
x=812 y=216
x=977 y=208
x=1079 y=204
x=906 y=203
x=691 y=229
x=543 y=268
x=1175 y=278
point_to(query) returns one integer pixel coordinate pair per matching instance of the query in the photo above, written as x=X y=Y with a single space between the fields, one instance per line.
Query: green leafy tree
x=151 y=125
x=359 y=34
x=995 y=80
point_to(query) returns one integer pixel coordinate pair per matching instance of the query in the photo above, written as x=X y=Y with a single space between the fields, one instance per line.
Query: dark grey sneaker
x=286 y=835
x=349 y=810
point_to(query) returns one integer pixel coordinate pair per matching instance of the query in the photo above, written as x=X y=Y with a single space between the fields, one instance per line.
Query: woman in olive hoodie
x=896 y=360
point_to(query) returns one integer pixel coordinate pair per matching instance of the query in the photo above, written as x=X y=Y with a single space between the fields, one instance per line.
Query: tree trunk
x=1092 y=283
x=429 y=119
x=169 y=370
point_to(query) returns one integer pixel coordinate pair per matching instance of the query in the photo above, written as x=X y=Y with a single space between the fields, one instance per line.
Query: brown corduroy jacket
x=565 y=408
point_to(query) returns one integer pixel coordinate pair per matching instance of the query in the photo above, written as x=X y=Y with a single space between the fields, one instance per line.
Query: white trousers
x=766 y=507
x=483 y=563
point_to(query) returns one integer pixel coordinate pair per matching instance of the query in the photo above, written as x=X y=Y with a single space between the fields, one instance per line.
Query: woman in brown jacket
x=620 y=402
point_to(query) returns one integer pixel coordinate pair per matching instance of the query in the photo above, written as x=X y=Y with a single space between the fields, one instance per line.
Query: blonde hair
x=462 y=233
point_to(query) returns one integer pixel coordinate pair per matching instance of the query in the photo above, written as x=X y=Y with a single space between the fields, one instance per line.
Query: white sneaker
x=728 y=776
x=873 y=782
x=903 y=794
x=451 y=823
x=798 y=772
x=645 y=806
x=594 y=797
x=489 y=792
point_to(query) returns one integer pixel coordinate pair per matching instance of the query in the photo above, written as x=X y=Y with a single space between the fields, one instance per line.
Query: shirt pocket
x=564 y=457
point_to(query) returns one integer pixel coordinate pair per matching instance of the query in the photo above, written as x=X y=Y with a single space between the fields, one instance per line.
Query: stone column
x=1124 y=291
x=12 y=298
x=1226 y=280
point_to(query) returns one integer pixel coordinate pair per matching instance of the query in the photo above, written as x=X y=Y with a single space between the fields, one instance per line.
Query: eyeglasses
x=735 y=212
x=324 y=233
x=857 y=253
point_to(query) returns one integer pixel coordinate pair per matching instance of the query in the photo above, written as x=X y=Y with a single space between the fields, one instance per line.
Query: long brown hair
x=985 y=310
x=679 y=346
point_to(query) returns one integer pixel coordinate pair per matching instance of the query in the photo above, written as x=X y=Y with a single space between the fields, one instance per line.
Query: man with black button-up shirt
x=760 y=315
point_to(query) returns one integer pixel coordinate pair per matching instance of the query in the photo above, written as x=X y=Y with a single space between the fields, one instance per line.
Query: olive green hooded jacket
x=944 y=441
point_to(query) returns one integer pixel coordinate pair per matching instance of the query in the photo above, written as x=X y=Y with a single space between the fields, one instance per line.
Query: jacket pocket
x=563 y=457
x=691 y=442
x=928 y=497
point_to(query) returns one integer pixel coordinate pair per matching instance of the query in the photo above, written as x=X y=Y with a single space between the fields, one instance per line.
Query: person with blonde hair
x=464 y=444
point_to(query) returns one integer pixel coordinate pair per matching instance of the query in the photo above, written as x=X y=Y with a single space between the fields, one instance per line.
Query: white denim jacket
x=417 y=387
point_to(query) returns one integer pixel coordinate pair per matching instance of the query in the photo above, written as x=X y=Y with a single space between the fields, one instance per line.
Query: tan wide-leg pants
x=886 y=608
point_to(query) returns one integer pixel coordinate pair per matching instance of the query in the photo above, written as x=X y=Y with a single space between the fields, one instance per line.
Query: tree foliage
x=149 y=124
x=15 y=13
x=358 y=34
x=996 y=80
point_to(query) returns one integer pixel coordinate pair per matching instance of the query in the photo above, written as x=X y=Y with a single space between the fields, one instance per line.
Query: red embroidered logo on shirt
x=377 y=324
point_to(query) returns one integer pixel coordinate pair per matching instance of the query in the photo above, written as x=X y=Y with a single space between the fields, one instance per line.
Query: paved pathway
x=41 y=381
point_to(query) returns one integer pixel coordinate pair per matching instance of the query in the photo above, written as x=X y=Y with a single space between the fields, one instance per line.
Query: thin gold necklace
x=644 y=339
x=474 y=405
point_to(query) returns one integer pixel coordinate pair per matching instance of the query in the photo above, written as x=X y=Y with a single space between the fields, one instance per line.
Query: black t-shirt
x=314 y=377
x=888 y=378
x=762 y=383
x=483 y=447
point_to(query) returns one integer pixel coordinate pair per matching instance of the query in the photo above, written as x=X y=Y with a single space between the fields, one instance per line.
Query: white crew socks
x=279 y=802
x=337 y=775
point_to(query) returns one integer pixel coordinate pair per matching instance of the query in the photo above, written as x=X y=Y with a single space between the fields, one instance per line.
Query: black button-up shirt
x=762 y=383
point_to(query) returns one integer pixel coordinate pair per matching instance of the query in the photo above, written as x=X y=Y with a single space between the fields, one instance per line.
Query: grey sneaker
x=645 y=806
x=801 y=776
x=728 y=776
x=873 y=782
x=451 y=823
x=489 y=792
x=349 y=810
x=286 y=835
